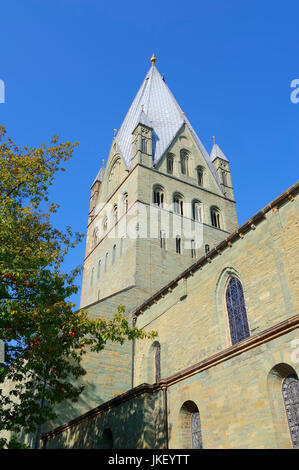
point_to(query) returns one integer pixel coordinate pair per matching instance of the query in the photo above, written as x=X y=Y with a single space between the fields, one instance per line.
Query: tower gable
x=115 y=173
x=184 y=146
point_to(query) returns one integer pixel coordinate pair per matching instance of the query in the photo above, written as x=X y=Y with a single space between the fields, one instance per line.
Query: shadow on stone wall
x=137 y=423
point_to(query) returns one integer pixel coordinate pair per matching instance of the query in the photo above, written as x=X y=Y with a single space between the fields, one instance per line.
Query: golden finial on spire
x=103 y=162
x=115 y=131
x=153 y=59
x=214 y=139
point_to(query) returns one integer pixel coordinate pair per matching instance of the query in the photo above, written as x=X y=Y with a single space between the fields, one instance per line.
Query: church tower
x=159 y=204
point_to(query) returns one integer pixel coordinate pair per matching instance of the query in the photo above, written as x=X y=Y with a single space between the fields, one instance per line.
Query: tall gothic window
x=215 y=217
x=170 y=164
x=106 y=262
x=197 y=211
x=224 y=178
x=290 y=392
x=207 y=249
x=236 y=311
x=158 y=196
x=178 y=204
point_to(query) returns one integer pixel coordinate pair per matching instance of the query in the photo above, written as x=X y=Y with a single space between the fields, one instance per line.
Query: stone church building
x=163 y=240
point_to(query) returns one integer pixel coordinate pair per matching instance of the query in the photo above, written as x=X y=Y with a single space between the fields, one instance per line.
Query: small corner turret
x=142 y=143
x=95 y=189
x=221 y=165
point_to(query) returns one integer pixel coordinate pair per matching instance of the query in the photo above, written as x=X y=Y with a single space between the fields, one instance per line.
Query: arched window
x=215 y=217
x=115 y=213
x=158 y=196
x=163 y=239
x=184 y=162
x=107 y=439
x=143 y=145
x=106 y=262
x=207 y=249
x=99 y=294
x=114 y=176
x=224 y=178
x=178 y=204
x=193 y=251
x=236 y=310
x=95 y=235
x=178 y=243
x=125 y=202
x=99 y=269
x=157 y=358
x=169 y=164
x=113 y=254
x=92 y=276
x=200 y=177
x=290 y=393
x=105 y=224
x=190 y=426
x=197 y=211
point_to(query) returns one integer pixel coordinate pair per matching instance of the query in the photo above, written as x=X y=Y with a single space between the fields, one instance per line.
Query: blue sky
x=72 y=67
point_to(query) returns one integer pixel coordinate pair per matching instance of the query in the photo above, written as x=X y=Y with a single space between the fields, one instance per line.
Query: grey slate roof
x=143 y=119
x=100 y=175
x=162 y=113
x=217 y=153
x=155 y=106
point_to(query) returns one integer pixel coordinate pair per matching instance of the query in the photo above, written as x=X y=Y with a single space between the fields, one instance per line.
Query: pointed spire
x=217 y=152
x=100 y=174
x=153 y=59
x=164 y=115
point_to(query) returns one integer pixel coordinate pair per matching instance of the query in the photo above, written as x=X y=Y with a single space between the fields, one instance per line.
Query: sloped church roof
x=155 y=106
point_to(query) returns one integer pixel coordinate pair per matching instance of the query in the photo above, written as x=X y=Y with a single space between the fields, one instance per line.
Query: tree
x=45 y=337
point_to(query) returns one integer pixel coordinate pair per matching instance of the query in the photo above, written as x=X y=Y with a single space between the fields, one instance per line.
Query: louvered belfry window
x=236 y=310
x=290 y=392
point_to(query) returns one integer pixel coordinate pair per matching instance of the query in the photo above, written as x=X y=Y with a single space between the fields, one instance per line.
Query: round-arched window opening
x=215 y=217
x=236 y=310
x=159 y=196
x=190 y=426
x=107 y=438
x=290 y=393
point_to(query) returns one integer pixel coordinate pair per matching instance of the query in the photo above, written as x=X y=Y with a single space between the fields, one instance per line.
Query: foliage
x=45 y=338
